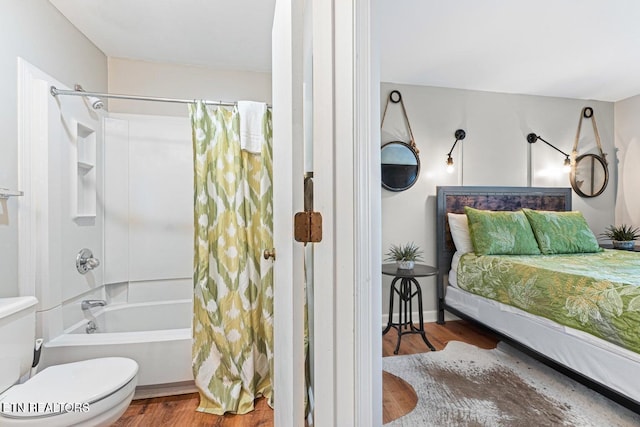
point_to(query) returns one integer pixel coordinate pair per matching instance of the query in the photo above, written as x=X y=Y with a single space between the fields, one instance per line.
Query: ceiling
x=586 y=49
x=232 y=35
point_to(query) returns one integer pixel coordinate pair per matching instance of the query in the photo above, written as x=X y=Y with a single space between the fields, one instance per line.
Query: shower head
x=96 y=103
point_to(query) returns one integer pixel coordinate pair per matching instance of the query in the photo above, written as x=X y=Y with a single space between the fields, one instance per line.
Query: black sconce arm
x=460 y=135
x=532 y=137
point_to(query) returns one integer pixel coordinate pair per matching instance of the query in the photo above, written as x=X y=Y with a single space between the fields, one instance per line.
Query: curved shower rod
x=56 y=92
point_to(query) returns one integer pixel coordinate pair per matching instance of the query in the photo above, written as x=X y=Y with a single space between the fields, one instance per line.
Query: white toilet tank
x=17 y=336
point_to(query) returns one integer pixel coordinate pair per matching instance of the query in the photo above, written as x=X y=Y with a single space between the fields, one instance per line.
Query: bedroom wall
x=495 y=152
x=627 y=154
x=37 y=32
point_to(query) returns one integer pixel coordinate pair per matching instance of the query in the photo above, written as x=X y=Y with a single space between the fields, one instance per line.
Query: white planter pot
x=626 y=244
x=405 y=265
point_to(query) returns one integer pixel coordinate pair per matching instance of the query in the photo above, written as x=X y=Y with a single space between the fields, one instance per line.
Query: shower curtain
x=233 y=283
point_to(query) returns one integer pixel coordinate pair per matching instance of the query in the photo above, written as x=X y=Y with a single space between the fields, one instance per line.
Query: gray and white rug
x=464 y=385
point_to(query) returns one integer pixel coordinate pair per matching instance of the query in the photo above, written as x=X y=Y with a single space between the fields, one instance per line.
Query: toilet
x=92 y=392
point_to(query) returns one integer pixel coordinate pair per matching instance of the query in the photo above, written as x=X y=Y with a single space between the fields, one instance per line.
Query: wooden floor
x=181 y=410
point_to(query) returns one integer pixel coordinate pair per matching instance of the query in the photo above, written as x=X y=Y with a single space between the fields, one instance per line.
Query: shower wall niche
x=84 y=186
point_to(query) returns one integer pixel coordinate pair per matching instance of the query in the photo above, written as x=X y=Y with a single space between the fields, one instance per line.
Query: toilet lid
x=77 y=384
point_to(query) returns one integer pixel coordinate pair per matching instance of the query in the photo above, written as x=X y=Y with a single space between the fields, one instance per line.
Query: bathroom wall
x=35 y=31
x=180 y=81
x=149 y=182
x=495 y=152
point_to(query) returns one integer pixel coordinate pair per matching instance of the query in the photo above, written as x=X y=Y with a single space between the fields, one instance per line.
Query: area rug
x=464 y=385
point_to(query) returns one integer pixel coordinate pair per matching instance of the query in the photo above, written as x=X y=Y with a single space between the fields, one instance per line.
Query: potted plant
x=404 y=255
x=622 y=236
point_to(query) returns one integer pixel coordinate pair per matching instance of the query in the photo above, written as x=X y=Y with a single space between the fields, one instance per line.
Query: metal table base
x=409 y=287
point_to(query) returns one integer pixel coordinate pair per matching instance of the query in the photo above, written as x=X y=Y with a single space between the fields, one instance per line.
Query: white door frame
x=347 y=341
x=347 y=192
x=289 y=298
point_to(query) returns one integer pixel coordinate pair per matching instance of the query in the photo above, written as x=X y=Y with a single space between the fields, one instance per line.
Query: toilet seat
x=72 y=390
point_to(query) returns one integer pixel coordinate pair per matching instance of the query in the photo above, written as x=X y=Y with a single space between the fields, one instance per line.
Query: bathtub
x=157 y=335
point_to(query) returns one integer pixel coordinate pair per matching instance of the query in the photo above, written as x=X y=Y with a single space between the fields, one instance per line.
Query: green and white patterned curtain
x=233 y=283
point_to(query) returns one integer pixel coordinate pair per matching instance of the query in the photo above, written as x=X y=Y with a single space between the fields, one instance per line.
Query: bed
x=610 y=366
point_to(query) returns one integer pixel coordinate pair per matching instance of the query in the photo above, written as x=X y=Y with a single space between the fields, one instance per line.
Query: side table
x=409 y=287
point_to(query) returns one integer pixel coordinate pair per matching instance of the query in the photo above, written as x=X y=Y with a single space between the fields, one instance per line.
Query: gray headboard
x=454 y=199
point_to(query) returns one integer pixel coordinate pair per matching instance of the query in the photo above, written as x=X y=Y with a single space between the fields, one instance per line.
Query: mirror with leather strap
x=589 y=172
x=589 y=175
x=400 y=166
x=399 y=160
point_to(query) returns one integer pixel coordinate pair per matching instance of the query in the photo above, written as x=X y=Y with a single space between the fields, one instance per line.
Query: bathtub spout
x=90 y=303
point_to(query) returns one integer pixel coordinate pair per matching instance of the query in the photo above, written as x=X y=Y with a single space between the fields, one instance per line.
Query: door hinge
x=307 y=227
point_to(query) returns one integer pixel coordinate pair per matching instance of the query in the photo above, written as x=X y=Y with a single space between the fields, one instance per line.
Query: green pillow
x=501 y=233
x=562 y=232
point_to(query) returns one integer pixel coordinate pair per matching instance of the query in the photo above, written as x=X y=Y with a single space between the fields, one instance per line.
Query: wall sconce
x=532 y=137
x=460 y=135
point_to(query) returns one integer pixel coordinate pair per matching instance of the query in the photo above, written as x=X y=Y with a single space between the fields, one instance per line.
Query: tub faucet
x=90 y=303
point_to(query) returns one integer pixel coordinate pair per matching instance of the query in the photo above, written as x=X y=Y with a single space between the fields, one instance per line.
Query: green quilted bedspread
x=598 y=293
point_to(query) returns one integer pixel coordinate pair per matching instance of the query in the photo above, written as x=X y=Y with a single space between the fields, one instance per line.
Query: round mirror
x=400 y=166
x=589 y=175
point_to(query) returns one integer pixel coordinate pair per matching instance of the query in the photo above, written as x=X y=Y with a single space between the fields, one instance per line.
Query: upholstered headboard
x=454 y=199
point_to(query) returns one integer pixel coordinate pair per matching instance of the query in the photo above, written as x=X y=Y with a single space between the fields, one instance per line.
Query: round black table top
x=418 y=270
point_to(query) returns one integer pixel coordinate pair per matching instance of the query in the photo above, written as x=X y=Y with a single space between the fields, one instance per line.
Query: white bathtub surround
x=148 y=200
x=141 y=317
x=233 y=289
x=161 y=290
x=148 y=250
x=149 y=291
x=157 y=335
